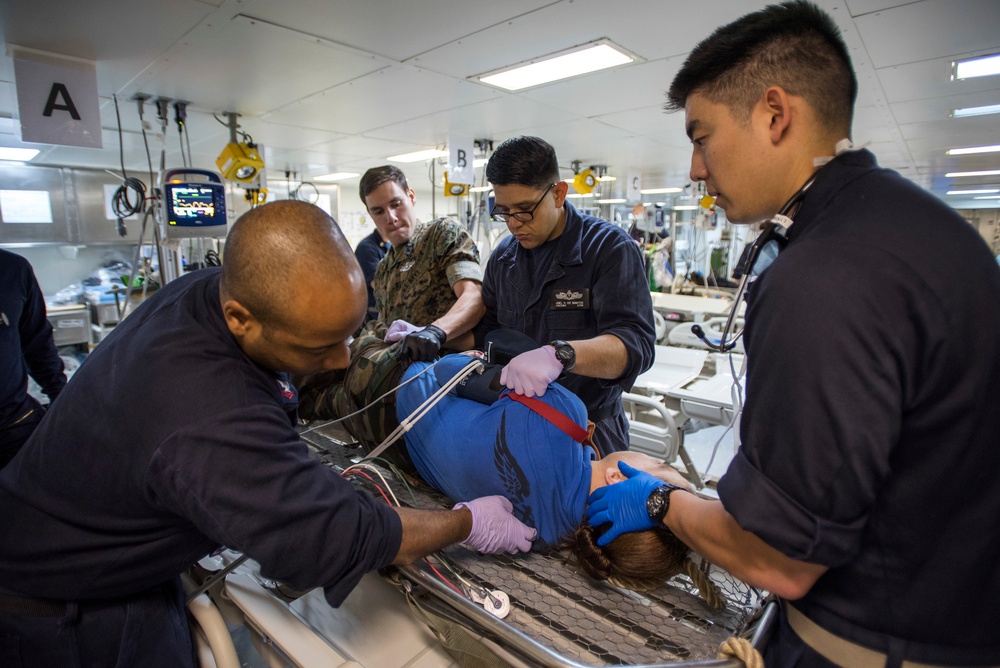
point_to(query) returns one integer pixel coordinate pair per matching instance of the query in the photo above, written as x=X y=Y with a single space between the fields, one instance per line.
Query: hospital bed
x=425 y=615
x=712 y=327
x=682 y=385
x=672 y=311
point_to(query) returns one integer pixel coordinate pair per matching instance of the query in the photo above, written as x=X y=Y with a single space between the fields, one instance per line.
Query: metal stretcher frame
x=563 y=619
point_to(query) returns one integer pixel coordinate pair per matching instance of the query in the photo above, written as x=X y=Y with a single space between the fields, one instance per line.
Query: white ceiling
x=334 y=85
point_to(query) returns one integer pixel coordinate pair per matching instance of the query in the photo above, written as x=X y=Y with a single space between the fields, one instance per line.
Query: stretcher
x=435 y=612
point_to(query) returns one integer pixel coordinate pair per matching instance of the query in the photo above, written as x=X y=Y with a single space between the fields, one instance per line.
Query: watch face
x=565 y=354
x=659 y=502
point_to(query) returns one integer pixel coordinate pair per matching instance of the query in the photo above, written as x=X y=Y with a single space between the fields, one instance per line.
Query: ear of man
x=779 y=108
x=238 y=318
x=560 y=190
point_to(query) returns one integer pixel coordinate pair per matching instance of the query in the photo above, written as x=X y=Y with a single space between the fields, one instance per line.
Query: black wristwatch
x=658 y=502
x=565 y=354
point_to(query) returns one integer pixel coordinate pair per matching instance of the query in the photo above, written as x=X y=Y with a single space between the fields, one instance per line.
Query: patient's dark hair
x=795 y=45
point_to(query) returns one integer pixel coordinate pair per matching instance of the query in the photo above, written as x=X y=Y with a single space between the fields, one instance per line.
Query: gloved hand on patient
x=622 y=504
x=398 y=330
x=531 y=372
x=422 y=344
x=494 y=527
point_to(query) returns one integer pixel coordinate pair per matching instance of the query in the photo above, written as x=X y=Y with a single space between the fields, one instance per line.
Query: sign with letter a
x=57 y=100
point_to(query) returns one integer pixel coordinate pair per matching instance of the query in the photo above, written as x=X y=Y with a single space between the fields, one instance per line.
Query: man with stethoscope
x=864 y=493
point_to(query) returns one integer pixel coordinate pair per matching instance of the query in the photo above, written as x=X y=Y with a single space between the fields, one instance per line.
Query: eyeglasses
x=520 y=216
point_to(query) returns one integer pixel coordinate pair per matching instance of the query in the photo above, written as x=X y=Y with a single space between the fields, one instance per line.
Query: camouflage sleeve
x=316 y=396
x=318 y=393
x=458 y=253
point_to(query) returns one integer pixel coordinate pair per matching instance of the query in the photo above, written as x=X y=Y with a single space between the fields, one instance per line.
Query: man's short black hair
x=376 y=176
x=795 y=45
x=524 y=161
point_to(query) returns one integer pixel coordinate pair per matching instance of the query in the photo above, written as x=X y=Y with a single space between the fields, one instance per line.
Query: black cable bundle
x=122 y=204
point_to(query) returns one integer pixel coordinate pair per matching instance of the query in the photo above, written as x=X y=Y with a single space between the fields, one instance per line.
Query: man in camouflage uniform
x=428 y=288
x=428 y=294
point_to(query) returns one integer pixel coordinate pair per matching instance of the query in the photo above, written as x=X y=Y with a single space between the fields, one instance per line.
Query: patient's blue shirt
x=467 y=449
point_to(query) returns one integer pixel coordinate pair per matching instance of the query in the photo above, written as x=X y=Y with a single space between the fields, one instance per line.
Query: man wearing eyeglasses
x=574 y=283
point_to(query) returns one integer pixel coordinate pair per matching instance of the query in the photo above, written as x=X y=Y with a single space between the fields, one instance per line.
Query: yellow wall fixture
x=239 y=162
x=584 y=181
x=454 y=189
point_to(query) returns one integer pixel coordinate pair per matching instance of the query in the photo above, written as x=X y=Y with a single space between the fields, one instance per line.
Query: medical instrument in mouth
x=773 y=234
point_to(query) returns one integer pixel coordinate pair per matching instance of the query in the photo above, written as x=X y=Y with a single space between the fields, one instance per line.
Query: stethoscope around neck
x=773 y=235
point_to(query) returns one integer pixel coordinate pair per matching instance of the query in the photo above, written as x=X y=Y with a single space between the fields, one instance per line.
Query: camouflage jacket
x=413 y=282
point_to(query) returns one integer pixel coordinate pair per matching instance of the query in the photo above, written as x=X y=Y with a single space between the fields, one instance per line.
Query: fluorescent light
x=590 y=59
x=987 y=172
x=479 y=162
x=983 y=66
x=418 y=156
x=660 y=191
x=336 y=176
x=22 y=154
x=607 y=178
x=686 y=207
x=661 y=204
x=974 y=149
x=983 y=191
x=988 y=197
x=976 y=111
x=578 y=195
x=611 y=201
x=480 y=189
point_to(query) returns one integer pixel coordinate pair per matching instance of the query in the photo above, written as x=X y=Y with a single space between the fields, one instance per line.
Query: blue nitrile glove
x=623 y=504
x=423 y=345
x=398 y=330
x=494 y=527
x=530 y=373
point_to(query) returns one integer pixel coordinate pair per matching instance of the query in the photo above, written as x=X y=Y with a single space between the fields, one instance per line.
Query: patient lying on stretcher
x=468 y=449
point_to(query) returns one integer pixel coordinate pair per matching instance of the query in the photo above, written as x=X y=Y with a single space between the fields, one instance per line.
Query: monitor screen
x=195 y=204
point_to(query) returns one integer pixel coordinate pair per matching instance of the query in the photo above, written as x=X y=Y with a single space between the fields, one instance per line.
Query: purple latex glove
x=494 y=527
x=530 y=373
x=399 y=330
x=623 y=504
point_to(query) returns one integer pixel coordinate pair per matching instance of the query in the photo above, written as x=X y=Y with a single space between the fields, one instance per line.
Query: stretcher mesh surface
x=587 y=622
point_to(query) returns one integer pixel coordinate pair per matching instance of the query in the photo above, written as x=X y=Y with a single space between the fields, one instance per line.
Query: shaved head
x=275 y=250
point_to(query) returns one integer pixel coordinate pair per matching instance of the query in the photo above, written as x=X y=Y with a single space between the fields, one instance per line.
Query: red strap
x=553 y=415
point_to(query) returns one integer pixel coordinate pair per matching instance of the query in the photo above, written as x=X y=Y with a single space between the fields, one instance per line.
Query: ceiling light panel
x=983 y=66
x=336 y=176
x=985 y=172
x=591 y=58
x=22 y=154
x=974 y=149
x=976 y=111
x=418 y=156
